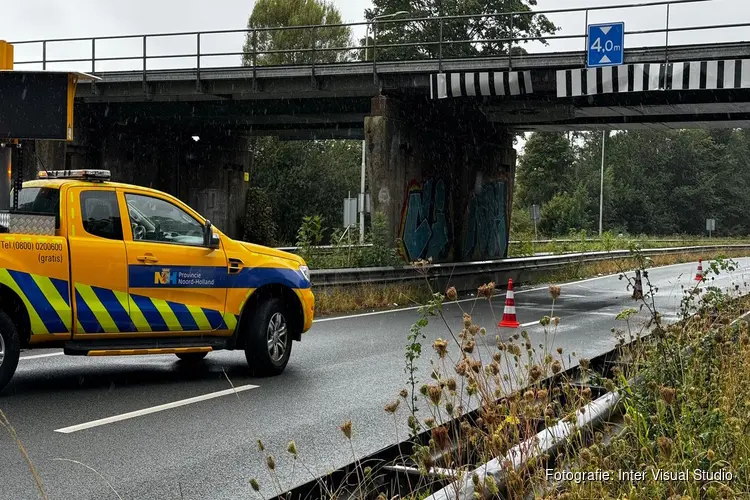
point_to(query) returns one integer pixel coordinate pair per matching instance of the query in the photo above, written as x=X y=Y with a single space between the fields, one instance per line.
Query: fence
x=391 y=39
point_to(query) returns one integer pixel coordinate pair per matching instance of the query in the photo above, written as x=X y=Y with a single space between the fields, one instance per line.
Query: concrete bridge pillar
x=207 y=174
x=444 y=179
x=39 y=155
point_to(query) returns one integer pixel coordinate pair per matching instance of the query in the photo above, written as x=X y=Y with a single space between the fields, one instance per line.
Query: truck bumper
x=307 y=298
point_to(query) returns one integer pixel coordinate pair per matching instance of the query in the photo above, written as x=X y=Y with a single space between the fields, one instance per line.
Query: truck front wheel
x=269 y=342
x=10 y=349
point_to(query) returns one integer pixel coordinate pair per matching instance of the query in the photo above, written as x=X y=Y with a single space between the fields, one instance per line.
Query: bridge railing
x=385 y=40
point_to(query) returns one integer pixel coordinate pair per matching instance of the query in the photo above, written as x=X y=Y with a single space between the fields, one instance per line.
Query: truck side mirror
x=210 y=239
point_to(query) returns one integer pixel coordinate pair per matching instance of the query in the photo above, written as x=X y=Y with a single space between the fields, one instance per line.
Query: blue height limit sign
x=606 y=46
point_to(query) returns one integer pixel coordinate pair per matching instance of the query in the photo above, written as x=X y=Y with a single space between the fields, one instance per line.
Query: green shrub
x=259 y=225
x=382 y=252
x=310 y=234
x=521 y=223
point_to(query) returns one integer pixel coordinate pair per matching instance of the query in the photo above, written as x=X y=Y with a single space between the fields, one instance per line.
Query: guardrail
x=390 y=40
x=332 y=248
x=596 y=240
x=469 y=275
x=325 y=248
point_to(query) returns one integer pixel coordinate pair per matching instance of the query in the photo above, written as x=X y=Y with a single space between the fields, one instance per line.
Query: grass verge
x=525 y=246
x=685 y=433
x=332 y=300
x=587 y=270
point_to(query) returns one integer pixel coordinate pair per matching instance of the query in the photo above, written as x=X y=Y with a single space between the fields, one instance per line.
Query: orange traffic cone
x=509 y=315
x=699 y=272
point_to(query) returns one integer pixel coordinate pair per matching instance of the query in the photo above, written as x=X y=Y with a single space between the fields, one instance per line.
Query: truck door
x=175 y=283
x=98 y=263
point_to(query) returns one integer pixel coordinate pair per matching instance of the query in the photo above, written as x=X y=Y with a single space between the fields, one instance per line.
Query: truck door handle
x=148 y=258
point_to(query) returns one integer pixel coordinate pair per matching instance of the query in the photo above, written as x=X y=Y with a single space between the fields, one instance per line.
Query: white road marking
x=573 y=314
x=154 y=409
x=387 y=311
x=39 y=356
x=597 y=313
x=611 y=315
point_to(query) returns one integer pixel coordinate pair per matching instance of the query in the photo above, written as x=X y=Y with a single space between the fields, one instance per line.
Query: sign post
x=606 y=45
x=710 y=226
x=6 y=63
x=536 y=216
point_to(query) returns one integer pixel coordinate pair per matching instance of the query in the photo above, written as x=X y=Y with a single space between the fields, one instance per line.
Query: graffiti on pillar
x=424 y=226
x=485 y=233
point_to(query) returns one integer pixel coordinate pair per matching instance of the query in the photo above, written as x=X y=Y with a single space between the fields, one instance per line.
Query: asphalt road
x=346 y=368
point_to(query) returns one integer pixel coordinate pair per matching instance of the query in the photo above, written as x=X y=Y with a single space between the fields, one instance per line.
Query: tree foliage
x=291 y=180
x=305 y=178
x=427 y=32
x=543 y=169
x=260 y=225
x=654 y=182
x=297 y=43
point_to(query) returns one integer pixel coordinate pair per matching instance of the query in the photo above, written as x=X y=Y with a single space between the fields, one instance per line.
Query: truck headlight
x=305 y=272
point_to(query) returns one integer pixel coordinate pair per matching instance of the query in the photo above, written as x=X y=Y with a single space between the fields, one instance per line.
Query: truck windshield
x=36 y=200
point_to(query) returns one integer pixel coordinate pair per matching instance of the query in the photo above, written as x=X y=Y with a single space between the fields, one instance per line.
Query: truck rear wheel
x=269 y=341
x=10 y=349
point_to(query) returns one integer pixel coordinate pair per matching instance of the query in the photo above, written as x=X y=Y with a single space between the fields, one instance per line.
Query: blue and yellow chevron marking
x=101 y=310
x=105 y=311
x=230 y=321
x=47 y=300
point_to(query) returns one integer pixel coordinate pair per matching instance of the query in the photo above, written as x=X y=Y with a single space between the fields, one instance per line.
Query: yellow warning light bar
x=84 y=174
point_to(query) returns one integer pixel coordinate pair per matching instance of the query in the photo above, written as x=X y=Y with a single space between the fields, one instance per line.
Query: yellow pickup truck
x=101 y=269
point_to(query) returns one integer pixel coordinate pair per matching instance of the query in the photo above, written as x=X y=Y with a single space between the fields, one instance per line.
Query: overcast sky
x=34 y=19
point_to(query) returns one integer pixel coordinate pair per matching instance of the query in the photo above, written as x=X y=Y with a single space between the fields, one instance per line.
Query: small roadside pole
x=710 y=226
x=536 y=216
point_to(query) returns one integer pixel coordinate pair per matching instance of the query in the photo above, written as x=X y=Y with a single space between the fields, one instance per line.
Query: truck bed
x=26 y=223
x=36 y=268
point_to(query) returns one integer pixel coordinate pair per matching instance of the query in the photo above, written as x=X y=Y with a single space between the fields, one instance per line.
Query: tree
x=543 y=170
x=297 y=44
x=259 y=225
x=426 y=33
x=305 y=178
x=564 y=212
x=656 y=183
x=291 y=180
